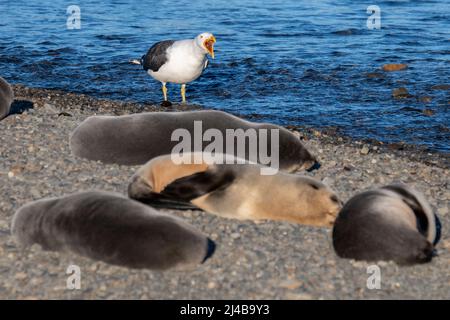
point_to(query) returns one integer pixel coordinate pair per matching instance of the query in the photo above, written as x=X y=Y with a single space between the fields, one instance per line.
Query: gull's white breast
x=185 y=63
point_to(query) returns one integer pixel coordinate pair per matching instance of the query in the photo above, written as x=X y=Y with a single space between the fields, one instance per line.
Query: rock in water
x=441 y=87
x=394 y=67
x=400 y=93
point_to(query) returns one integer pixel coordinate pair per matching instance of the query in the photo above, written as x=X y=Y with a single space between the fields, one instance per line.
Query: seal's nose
x=210 y=251
x=315 y=166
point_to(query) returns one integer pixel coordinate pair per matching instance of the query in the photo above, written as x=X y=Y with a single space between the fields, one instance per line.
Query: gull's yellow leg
x=164 y=90
x=183 y=93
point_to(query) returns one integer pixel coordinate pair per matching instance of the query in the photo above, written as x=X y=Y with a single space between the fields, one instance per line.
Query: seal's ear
x=198 y=184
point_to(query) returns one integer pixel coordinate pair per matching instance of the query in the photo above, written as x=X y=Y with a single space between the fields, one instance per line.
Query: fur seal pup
x=135 y=139
x=236 y=191
x=111 y=228
x=394 y=222
x=6 y=98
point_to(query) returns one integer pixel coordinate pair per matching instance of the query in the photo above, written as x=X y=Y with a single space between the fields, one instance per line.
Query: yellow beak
x=209 y=45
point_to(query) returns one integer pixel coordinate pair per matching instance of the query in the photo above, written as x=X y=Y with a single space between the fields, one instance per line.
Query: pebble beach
x=264 y=260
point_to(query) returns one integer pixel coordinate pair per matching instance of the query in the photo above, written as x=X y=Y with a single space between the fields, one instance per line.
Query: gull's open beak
x=209 y=45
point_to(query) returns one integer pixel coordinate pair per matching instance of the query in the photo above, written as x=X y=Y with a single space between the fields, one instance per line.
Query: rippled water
x=291 y=61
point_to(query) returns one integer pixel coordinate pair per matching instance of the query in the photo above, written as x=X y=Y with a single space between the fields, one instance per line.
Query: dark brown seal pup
x=237 y=191
x=6 y=98
x=135 y=139
x=394 y=222
x=111 y=228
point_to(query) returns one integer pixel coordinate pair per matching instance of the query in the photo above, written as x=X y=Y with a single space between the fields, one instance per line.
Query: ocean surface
x=292 y=62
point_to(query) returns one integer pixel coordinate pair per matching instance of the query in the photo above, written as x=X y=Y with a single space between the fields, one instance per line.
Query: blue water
x=292 y=61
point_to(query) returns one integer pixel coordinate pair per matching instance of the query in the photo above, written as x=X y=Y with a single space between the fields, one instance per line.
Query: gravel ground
x=269 y=260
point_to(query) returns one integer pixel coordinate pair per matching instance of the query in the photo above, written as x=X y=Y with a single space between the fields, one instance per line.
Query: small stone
x=357 y=264
x=35 y=193
x=290 y=284
x=298 y=296
x=364 y=150
x=65 y=114
x=21 y=276
x=166 y=104
x=349 y=167
x=17 y=169
x=235 y=235
x=443 y=211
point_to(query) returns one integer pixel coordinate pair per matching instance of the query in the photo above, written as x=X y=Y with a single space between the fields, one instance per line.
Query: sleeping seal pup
x=111 y=228
x=394 y=222
x=6 y=98
x=135 y=139
x=236 y=191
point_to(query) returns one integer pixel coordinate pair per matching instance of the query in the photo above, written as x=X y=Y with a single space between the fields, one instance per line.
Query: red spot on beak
x=209 y=45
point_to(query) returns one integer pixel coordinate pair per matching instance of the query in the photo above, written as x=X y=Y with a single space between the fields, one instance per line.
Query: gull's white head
x=206 y=41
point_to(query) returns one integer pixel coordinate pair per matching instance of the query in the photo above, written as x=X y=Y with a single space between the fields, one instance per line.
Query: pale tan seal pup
x=111 y=228
x=394 y=222
x=237 y=191
x=6 y=98
x=135 y=139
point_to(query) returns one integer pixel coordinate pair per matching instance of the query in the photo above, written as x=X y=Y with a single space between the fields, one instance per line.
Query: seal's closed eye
x=314 y=186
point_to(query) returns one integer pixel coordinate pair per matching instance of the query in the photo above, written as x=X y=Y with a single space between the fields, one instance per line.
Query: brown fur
x=249 y=195
x=160 y=173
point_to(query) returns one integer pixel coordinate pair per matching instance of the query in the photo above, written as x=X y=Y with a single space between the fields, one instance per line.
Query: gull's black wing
x=156 y=55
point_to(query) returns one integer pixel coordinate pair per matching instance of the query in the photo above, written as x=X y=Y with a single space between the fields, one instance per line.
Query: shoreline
x=327 y=135
x=253 y=260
